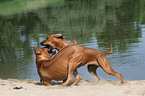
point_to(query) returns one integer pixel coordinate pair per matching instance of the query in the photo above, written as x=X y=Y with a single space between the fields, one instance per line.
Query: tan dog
x=42 y=56
x=62 y=43
x=58 y=68
x=87 y=56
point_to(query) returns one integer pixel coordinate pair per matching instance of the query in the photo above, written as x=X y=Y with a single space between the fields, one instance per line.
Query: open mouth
x=50 y=48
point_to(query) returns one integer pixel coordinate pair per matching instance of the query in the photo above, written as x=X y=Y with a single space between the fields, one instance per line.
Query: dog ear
x=58 y=35
x=36 y=52
x=74 y=40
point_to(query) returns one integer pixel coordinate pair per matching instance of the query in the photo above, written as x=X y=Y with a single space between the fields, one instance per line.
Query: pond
x=94 y=24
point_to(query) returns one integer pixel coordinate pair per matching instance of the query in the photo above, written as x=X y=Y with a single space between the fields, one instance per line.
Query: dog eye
x=47 y=38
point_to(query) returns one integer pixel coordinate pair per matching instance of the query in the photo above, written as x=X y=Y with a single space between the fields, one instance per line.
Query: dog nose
x=41 y=43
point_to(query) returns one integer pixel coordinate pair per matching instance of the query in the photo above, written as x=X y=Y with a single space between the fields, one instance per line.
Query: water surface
x=94 y=24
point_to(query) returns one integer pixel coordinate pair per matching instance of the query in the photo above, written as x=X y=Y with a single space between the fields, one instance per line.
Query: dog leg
x=77 y=77
x=46 y=83
x=104 y=63
x=71 y=67
x=69 y=79
x=64 y=80
x=92 y=70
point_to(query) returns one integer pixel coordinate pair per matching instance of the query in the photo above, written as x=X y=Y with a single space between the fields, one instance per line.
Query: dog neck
x=40 y=60
x=62 y=44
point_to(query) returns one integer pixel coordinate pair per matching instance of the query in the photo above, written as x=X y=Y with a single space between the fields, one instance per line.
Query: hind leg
x=92 y=70
x=77 y=77
x=64 y=80
x=46 y=83
x=104 y=63
x=71 y=68
x=69 y=77
x=73 y=63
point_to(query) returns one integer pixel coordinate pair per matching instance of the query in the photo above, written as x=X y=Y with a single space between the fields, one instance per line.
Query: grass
x=17 y=6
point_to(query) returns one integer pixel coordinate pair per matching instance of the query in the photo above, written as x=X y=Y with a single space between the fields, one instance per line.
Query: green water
x=94 y=24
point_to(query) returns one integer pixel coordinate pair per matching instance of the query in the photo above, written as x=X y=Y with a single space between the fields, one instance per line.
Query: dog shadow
x=55 y=83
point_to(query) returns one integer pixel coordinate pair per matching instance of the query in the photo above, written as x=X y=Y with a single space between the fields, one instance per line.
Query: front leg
x=92 y=70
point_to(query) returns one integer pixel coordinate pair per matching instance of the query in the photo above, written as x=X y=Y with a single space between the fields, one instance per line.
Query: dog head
x=42 y=54
x=55 y=41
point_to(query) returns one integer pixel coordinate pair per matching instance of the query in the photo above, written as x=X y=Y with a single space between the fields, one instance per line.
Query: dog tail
x=107 y=52
x=74 y=40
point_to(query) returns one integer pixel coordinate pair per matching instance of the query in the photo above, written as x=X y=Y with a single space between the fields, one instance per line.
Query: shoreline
x=15 y=87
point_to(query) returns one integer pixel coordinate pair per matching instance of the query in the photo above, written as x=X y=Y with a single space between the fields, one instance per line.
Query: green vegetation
x=18 y=6
x=109 y=21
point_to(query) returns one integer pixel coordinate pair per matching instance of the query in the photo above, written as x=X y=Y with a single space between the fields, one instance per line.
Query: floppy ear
x=36 y=52
x=58 y=35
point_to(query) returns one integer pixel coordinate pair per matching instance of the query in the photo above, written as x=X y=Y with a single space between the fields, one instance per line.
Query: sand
x=14 y=87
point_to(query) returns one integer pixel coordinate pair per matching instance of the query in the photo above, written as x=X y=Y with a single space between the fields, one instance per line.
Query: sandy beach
x=14 y=87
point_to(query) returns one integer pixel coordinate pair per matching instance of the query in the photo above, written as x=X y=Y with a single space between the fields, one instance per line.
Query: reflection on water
x=94 y=24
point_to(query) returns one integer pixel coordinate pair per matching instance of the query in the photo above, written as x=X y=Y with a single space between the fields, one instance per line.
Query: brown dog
x=42 y=56
x=62 y=43
x=92 y=57
x=58 y=68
